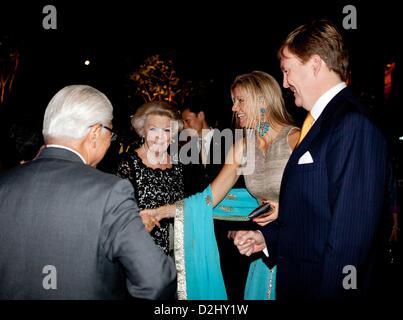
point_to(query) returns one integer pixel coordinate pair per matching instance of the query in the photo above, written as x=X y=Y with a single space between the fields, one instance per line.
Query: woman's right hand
x=150 y=218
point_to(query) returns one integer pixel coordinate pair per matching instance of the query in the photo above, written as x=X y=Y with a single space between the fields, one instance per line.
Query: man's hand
x=249 y=242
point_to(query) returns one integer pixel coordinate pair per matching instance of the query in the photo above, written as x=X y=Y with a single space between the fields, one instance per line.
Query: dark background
x=209 y=42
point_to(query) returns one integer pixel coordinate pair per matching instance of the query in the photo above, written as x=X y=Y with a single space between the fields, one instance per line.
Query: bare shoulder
x=293 y=137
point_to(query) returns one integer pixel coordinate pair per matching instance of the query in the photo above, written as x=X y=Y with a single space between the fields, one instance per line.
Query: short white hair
x=73 y=110
x=158 y=108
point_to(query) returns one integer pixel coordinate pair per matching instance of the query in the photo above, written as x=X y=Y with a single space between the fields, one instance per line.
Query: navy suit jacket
x=330 y=210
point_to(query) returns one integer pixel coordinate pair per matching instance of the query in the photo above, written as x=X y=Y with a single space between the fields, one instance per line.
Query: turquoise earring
x=263 y=126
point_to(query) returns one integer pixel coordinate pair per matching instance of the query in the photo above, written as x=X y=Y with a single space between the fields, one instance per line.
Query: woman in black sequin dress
x=156 y=179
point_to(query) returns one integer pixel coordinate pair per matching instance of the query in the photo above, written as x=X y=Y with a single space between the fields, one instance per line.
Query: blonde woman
x=258 y=106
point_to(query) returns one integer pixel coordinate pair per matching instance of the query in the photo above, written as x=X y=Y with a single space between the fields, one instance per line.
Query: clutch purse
x=260 y=210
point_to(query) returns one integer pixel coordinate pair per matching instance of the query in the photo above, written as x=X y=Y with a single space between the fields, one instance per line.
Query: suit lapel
x=322 y=122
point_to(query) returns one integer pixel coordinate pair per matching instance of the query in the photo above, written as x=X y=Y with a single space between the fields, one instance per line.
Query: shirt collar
x=206 y=138
x=325 y=98
x=66 y=148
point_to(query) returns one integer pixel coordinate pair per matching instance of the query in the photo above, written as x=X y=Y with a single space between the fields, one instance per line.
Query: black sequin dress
x=153 y=188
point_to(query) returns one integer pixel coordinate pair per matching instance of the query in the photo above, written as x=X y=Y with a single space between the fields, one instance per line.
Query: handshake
x=152 y=217
x=252 y=241
x=247 y=242
x=149 y=220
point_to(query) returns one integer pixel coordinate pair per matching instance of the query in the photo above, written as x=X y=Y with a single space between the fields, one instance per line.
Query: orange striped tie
x=306 y=126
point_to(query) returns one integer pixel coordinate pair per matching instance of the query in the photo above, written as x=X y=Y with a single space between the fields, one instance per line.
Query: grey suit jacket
x=70 y=231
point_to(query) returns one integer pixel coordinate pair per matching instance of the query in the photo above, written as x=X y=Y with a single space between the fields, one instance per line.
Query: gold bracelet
x=396 y=228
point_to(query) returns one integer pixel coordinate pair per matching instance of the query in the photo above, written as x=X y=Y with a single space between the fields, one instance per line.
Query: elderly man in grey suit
x=68 y=230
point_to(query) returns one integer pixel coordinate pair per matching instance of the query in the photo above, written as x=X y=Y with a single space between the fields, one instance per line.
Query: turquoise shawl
x=261 y=282
x=196 y=252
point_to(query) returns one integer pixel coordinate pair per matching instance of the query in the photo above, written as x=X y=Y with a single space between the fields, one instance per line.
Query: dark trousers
x=234 y=266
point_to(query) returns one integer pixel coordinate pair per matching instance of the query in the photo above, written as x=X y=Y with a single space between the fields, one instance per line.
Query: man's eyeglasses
x=113 y=134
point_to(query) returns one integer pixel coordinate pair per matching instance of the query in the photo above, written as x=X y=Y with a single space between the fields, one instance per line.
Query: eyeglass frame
x=113 y=133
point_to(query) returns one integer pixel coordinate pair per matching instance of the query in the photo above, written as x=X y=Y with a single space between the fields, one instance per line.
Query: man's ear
x=95 y=131
x=317 y=63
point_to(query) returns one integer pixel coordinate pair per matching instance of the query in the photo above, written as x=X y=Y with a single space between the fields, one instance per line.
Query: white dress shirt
x=206 y=141
x=324 y=99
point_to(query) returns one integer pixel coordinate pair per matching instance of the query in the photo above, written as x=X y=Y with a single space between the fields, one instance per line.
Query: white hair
x=73 y=110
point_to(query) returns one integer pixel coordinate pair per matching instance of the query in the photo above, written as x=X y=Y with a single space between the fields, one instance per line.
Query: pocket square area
x=305 y=158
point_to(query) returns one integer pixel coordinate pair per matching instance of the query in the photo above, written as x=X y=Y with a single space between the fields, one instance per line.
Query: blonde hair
x=264 y=92
x=158 y=108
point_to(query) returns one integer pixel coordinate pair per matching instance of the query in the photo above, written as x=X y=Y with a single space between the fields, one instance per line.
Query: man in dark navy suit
x=332 y=191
